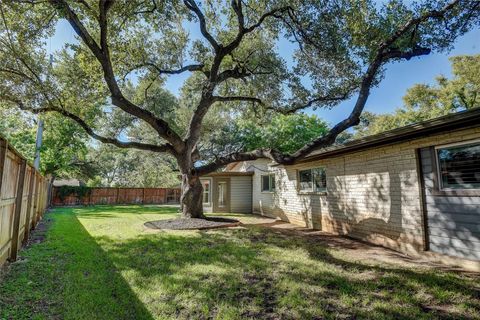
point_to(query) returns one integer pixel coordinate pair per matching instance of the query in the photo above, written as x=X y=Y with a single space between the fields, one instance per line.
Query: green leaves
x=424 y=102
x=111 y=78
x=286 y=133
x=131 y=168
x=64 y=147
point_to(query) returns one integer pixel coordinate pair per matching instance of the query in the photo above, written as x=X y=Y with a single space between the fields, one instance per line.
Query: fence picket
x=31 y=190
x=18 y=210
x=114 y=196
x=19 y=194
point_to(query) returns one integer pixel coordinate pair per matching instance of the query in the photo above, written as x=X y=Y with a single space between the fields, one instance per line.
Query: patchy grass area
x=101 y=263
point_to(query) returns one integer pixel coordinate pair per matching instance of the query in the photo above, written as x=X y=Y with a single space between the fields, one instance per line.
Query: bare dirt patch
x=192 y=223
x=38 y=235
x=260 y=285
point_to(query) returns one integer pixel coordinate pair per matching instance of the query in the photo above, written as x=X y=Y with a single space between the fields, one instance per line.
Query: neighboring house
x=412 y=189
x=68 y=182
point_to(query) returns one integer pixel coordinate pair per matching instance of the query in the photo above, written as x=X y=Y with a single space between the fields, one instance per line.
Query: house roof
x=67 y=182
x=229 y=174
x=452 y=122
x=230 y=166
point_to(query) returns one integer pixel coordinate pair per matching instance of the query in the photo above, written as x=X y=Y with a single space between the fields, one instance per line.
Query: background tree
x=423 y=102
x=235 y=66
x=285 y=133
x=64 y=149
x=132 y=168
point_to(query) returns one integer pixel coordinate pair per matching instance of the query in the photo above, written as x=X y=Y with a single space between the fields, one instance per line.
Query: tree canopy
x=236 y=68
x=285 y=133
x=115 y=167
x=423 y=102
x=64 y=149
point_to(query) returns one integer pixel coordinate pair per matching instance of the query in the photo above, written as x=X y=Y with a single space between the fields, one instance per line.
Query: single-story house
x=68 y=183
x=412 y=189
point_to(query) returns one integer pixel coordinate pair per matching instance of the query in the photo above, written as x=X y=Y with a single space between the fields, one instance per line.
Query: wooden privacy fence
x=23 y=200
x=112 y=196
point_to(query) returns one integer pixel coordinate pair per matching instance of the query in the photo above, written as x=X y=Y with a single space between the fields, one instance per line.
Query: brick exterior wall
x=372 y=195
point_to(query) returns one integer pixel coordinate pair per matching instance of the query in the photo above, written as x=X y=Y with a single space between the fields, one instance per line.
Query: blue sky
x=402 y=75
x=383 y=99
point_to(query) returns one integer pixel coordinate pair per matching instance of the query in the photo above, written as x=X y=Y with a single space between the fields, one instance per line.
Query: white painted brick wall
x=372 y=195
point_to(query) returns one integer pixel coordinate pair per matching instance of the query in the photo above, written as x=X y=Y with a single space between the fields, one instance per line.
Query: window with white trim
x=312 y=180
x=268 y=183
x=222 y=189
x=459 y=166
x=206 y=191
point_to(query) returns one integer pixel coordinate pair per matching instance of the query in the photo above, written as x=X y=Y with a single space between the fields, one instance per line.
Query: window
x=222 y=188
x=206 y=191
x=459 y=166
x=312 y=180
x=268 y=183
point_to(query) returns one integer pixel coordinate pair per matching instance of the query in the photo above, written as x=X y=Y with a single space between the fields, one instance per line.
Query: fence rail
x=117 y=196
x=23 y=200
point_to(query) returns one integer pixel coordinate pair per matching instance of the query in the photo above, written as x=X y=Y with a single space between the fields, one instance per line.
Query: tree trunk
x=192 y=197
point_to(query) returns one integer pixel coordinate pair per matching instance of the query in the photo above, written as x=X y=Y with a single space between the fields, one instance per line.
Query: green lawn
x=101 y=263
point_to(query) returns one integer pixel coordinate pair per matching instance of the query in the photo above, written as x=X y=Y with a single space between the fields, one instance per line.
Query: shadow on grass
x=67 y=276
x=106 y=211
x=242 y=274
x=256 y=273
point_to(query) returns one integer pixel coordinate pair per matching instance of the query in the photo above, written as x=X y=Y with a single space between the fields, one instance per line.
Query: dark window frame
x=271 y=186
x=437 y=183
x=313 y=190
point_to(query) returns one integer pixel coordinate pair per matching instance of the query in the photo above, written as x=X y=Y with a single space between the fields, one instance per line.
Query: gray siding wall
x=241 y=194
x=263 y=202
x=453 y=221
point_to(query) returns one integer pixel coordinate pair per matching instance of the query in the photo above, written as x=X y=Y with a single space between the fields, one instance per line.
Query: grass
x=100 y=263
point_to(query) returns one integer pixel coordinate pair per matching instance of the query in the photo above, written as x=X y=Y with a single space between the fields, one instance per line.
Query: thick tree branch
x=407 y=55
x=190 y=68
x=384 y=54
x=354 y=118
x=221 y=51
x=235 y=73
x=240 y=156
x=104 y=6
x=242 y=29
x=192 y=6
x=121 y=144
x=317 y=100
x=102 y=54
x=237 y=98
x=438 y=14
x=239 y=72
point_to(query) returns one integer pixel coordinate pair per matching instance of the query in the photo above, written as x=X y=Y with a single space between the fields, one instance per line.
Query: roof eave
x=459 y=121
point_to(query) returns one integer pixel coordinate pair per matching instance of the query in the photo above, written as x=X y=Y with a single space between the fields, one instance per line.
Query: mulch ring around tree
x=192 y=223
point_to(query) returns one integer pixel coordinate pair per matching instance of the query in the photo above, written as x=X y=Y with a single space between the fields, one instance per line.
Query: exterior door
x=221 y=202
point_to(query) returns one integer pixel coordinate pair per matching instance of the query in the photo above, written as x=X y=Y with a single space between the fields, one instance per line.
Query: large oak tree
x=234 y=64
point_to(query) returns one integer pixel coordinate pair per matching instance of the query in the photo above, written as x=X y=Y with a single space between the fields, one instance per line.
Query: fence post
x=42 y=194
x=3 y=159
x=143 y=196
x=35 y=202
x=49 y=192
x=18 y=210
x=31 y=190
